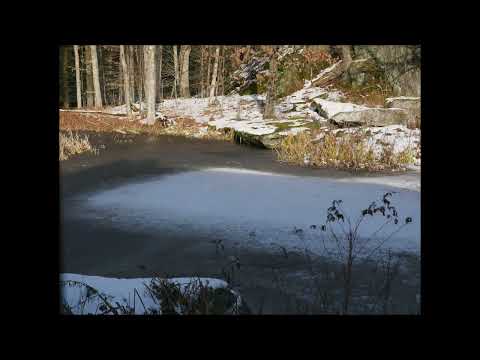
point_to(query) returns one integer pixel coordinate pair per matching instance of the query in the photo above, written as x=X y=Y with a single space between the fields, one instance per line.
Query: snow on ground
x=230 y=204
x=245 y=114
x=389 y=100
x=293 y=131
x=332 y=108
x=398 y=136
x=122 y=291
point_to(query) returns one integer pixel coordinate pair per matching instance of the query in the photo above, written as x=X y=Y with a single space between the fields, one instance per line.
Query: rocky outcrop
x=244 y=80
x=298 y=112
x=292 y=68
x=399 y=64
x=348 y=114
x=411 y=105
x=357 y=72
x=370 y=117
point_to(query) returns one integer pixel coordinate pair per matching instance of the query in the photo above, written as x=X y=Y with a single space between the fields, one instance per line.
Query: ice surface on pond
x=255 y=209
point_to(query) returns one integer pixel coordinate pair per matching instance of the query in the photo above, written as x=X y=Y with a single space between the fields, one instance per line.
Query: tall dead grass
x=72 y=144
x=346 y=151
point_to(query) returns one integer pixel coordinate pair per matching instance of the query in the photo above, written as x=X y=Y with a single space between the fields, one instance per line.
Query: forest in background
x=95 y=76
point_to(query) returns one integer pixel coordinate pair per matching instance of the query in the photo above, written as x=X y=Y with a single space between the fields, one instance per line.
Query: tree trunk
x=150 y=93
x=208 y=69
x=159 y=54
x=269 y=111
x=214 y=75
x=126 y=80
x=346 y=56
x=184 y=73
x=141 y=75
x=89 y=77
x=65 y=77
x=222 y=72
x=337 y=69
x=202 y=92
x=96 y=78
x=175 y=71
x=131 y=71
x=77 y=77
x=101 y=72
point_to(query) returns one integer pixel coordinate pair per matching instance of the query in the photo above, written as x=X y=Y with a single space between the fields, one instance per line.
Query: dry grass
x=185 y=126
x=76 y=121
x=343 y=151
x=71 y=144
x=371 y=95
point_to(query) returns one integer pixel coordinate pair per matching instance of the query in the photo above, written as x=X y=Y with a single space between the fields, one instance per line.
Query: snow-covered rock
x=370 y=117
x=411 y=105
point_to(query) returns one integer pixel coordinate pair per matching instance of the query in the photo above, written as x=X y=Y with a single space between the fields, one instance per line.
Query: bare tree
x=96 y=78
x=150 y=82
x=126 y=80
x=184 y=70
x=77 y=77
x=214 y=74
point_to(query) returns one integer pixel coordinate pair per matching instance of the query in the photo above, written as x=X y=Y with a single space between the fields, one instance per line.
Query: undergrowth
x=349 y=151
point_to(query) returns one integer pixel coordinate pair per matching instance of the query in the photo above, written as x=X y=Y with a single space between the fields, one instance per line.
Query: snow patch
x=127 y=292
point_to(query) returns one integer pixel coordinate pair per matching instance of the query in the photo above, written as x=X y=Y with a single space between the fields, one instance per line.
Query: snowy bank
x=132 y=294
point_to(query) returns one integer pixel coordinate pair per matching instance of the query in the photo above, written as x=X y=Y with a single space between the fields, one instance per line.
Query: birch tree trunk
x=65 y=77
x=126 y=80
x=214 y=75
x=149 y=66
x=89 y=77
x=184 y=63
x=96 y=78
x=77 y=77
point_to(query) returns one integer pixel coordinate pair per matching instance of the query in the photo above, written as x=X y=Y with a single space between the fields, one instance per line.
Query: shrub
x=347 y=246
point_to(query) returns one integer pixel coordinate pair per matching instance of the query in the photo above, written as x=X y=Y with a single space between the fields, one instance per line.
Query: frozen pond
x=250 y=208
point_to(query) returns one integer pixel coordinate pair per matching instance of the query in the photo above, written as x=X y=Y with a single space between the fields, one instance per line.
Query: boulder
x=260 y=132
x=370 y=117
x=411 y=105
